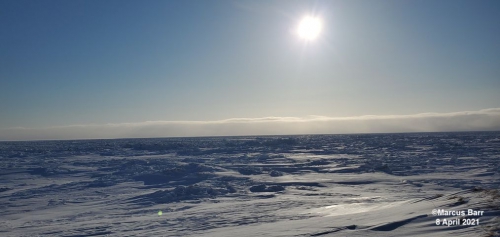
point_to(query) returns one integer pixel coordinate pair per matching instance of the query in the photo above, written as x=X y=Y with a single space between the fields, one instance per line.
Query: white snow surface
x=307 y=185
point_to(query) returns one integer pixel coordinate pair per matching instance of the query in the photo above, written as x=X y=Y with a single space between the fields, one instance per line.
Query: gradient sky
x=68 y=63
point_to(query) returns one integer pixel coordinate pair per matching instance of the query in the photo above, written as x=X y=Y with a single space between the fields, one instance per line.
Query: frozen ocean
x=414 y=184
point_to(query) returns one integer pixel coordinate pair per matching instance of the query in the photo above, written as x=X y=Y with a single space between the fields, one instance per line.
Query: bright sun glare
x=309 y=28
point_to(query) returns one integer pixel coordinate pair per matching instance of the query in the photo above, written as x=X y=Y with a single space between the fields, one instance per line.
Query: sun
x=309 y=28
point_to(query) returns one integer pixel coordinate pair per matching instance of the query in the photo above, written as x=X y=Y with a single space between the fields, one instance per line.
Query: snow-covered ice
x=307 y=185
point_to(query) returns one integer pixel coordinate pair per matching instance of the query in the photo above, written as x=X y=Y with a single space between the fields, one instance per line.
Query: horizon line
x=252 y=135
x=463 y=121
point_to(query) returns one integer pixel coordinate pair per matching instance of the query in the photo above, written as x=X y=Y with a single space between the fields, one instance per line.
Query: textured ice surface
x=315 y=185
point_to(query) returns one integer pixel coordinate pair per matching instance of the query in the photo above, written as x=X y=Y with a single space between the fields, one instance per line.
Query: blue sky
x=66 y=63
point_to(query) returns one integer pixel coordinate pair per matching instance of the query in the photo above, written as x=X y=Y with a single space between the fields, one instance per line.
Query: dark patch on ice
x=231 y=189
x=308 y=184
x=318 y=162
x=39 y=171
x=394 y=225
x=337 y=229
x=374 y=166
x=275 y=173
x=306 y=188
x=484 y=174
x=250 y=170
x=102 y=233
x=266 y=196
x=50 y=171
x=265 y=188
x=231 y=178
x=459 y=201
x=351 y=227
x=53 y=202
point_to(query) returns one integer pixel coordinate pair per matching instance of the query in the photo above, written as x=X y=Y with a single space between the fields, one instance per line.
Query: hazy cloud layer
x=482 y=120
